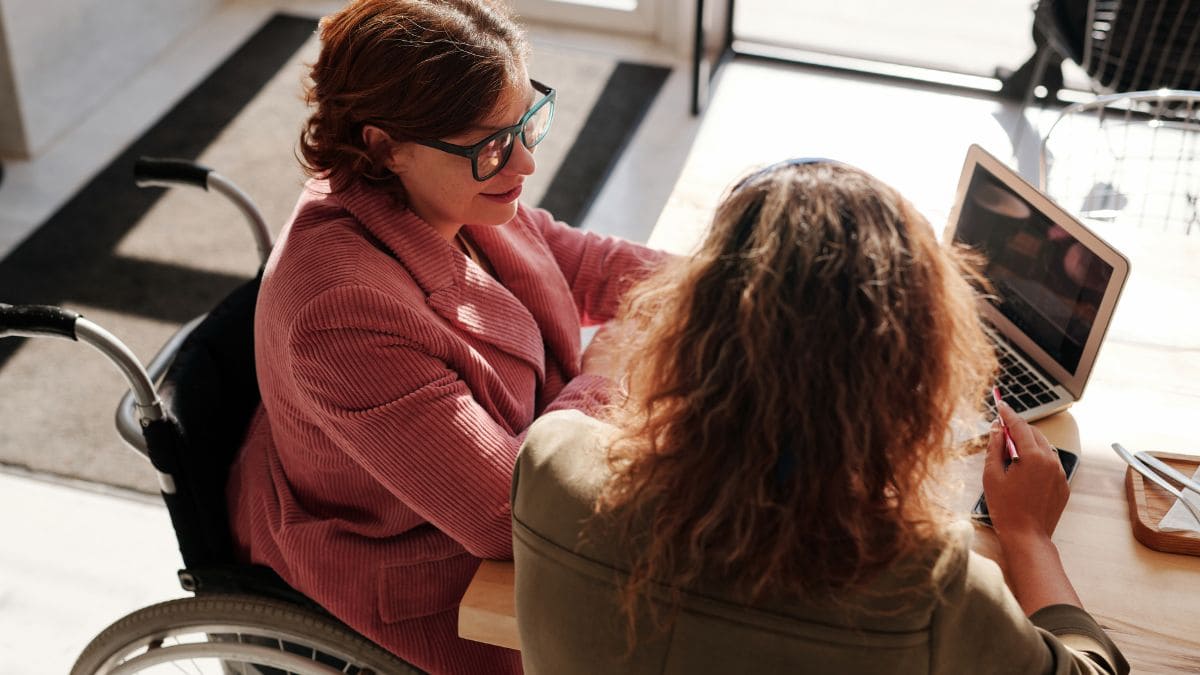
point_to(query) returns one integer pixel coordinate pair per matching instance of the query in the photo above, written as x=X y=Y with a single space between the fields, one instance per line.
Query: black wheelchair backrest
x=210 y=393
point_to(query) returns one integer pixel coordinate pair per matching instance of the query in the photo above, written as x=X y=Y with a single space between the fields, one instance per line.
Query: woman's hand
x=1025 y=500
x=1025 y=497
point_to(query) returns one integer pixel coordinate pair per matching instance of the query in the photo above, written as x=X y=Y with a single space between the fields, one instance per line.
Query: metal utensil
x=1168 y=471
x=1155 y=478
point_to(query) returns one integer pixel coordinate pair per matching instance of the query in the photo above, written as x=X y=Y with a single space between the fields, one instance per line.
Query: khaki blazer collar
x=456 y=287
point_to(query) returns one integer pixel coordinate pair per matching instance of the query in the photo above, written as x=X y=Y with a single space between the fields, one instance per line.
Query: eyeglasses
x=490 y=155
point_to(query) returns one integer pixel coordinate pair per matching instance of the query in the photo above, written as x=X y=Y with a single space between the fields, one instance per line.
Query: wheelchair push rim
x=233 y=634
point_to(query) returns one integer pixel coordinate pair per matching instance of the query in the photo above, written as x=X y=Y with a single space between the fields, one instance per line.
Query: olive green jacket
x=567 y=612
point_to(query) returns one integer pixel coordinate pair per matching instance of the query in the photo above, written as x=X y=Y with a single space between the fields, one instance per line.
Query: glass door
x=630 y=17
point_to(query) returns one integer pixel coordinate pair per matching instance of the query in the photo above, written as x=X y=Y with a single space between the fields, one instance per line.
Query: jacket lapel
x=527 y=267
x=456 y=288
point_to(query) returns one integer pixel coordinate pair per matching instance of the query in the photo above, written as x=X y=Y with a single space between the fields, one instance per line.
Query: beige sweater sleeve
x=980 y=628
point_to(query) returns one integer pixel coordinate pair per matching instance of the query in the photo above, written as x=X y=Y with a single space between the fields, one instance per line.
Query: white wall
x=62 y=58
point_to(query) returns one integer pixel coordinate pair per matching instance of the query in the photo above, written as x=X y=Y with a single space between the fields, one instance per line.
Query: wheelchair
x=187 y=412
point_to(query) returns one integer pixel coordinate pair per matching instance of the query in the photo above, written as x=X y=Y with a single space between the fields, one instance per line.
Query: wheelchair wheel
x=225 y=634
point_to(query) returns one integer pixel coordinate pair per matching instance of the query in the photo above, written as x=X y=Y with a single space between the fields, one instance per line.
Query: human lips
x=503 y=197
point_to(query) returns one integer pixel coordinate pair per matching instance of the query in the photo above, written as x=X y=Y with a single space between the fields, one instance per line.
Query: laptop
x=1055 y=284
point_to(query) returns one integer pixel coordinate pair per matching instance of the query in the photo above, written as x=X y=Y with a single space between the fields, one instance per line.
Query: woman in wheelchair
x=414 y=318
x=765 y=497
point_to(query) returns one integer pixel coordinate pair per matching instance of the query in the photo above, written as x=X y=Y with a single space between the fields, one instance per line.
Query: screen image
x=1046 y=282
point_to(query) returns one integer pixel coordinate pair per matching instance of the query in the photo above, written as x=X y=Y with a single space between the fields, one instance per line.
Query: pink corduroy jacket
x=398 y=379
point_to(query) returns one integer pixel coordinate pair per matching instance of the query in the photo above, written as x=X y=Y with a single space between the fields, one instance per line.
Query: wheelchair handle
x=37 y=321
x=165 y=172
x=153 y=171
x=51 y=321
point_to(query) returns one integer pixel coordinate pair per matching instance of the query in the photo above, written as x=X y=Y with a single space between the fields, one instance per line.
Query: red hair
x=416 y=69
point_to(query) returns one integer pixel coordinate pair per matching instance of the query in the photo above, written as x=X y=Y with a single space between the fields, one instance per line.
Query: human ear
x=380 y=146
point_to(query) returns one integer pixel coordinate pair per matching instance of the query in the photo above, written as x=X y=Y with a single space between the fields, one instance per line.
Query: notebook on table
x=1055 y=284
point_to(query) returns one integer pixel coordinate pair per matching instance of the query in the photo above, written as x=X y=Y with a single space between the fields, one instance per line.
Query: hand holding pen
x=1010 y=448
x=1025 y=500
x=1026 y=497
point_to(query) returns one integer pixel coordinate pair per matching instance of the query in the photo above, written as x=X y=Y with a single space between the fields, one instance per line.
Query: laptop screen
x=1047 y=282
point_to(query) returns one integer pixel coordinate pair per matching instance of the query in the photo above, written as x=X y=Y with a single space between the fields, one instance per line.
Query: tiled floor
x=74 y=559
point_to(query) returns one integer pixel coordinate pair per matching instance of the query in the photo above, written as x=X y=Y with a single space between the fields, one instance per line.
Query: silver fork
x=1158 y=480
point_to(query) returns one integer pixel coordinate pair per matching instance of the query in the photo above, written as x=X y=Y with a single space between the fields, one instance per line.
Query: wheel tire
x=260 y=625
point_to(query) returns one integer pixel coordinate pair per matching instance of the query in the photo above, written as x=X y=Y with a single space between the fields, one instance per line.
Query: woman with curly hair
x=414 y=319
x=765 y=499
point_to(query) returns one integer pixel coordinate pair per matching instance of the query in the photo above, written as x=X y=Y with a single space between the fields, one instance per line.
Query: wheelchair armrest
x=129 y=413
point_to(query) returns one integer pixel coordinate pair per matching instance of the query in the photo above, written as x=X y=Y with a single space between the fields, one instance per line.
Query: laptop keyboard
x=1020 y=386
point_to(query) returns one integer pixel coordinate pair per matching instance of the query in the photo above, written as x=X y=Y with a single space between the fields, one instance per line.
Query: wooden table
x=488 y=612
x=1145 y=394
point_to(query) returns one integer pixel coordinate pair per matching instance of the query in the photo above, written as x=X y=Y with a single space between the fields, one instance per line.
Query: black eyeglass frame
x=517 y=130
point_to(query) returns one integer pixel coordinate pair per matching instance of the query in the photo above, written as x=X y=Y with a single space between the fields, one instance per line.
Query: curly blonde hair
x=791 y=389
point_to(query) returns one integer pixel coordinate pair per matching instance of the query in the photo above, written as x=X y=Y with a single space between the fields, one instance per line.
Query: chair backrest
x=1063 y=24
x=1129 y=159
x=211 y=393
x=1137 y=45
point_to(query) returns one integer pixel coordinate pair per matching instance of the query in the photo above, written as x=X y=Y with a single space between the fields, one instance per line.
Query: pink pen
x=1008 y=441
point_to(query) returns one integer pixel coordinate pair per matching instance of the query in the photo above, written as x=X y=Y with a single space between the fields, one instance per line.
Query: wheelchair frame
x=243 y=618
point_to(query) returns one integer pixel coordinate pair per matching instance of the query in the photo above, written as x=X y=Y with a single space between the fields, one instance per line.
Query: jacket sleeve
x=981 y=628
x=586 y=392
x=1078 y=635
x=405 y=415
x=599 y=269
